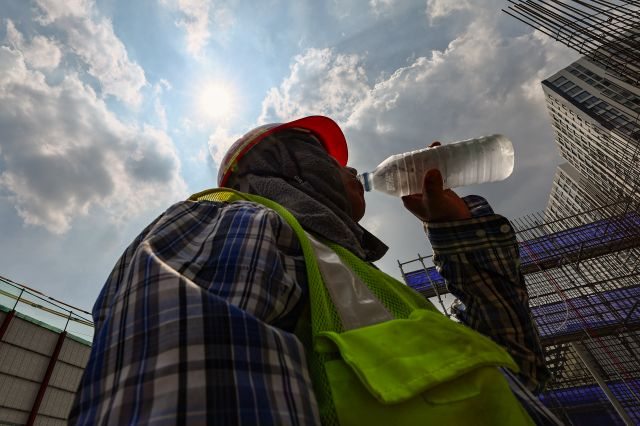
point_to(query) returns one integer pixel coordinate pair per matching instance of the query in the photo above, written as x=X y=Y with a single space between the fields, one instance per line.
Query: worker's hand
x=436 y=204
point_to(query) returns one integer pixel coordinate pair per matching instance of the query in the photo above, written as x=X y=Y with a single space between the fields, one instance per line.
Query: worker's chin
x=358 y=213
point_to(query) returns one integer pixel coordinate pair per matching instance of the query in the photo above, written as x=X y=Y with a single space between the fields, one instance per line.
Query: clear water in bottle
x=468 y=162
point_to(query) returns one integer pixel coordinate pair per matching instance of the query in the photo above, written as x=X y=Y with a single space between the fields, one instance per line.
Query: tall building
x=581 y=259
x=570 y=194
x=594 y=113
x=594 y=116
x=592 y=220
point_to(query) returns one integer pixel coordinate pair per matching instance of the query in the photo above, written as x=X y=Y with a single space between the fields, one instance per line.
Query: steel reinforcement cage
x=605 y=31
x=583 y=277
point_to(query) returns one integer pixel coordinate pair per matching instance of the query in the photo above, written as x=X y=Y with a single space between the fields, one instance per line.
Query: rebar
x=607 y=32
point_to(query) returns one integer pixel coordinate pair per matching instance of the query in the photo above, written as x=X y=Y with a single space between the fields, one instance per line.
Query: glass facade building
x=580 y=258
x=594 y=116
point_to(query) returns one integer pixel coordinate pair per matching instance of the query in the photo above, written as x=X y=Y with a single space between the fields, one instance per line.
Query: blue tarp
x=581 y=238
x=588 y=405
x=599 y=233
x=589 y=311
x=592 y=311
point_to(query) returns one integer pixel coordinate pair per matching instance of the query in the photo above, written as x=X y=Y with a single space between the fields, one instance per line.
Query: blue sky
x=112 y=110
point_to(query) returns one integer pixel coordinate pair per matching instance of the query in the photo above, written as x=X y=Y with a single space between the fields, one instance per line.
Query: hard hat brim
x=324 y=128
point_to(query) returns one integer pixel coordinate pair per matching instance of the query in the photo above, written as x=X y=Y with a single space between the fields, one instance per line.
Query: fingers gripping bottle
x=485 y=159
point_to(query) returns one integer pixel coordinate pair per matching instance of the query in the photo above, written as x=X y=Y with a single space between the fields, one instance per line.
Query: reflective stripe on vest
x=356 y=305
x=419 y=368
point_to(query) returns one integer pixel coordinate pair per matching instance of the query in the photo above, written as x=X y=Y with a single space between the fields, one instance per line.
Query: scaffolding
x=605 y=31
x=582 y=272
x=583 y=280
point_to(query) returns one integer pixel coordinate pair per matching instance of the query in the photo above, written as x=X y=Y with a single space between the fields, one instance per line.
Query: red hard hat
x=324 y=128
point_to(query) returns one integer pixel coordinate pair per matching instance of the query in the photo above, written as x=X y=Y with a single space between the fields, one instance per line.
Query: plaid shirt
x=195 y=323
x=479 y=260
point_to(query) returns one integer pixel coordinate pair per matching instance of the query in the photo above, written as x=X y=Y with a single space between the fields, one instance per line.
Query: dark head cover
x=293 y=169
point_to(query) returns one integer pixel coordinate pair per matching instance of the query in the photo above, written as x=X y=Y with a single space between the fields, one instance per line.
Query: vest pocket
x=399 y=359
x=422 y=369
x=481 y=398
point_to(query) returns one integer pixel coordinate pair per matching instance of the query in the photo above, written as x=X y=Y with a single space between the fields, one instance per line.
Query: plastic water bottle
x=485 y=159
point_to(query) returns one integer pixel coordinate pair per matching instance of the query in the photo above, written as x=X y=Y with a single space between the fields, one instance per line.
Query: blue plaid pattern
x=479 y=260
x=195 y=324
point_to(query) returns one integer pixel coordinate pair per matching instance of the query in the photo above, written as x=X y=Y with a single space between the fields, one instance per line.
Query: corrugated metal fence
x=44 y=347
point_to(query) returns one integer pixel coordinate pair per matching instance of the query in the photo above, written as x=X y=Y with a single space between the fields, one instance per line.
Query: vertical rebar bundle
x=606 y=31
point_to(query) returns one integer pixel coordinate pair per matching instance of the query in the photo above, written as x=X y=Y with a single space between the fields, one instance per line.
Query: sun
x=216 y=101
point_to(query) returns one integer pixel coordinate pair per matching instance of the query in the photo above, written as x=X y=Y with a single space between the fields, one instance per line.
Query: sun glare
x=216 y=101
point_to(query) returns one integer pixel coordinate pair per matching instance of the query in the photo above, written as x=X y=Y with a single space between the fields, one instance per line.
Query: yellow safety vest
x=394 y=360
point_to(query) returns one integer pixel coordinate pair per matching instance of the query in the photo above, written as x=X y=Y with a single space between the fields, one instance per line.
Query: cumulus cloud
x=485 y=81
x=64 y=153
x=441 y=8
x=195 y=18
x=195 y=22
x=91 y=37
x=379 y=6
x=320 y=81
x=39 y=52
x=55 y=9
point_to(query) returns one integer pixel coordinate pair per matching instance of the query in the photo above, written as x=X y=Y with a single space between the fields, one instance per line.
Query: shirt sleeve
x=480 y=262
x=194 y=324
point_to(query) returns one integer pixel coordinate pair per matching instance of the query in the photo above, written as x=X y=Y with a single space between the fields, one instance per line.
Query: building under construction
x=606 y=32
x=44 y=347
x=585 y=298
x=581 y=257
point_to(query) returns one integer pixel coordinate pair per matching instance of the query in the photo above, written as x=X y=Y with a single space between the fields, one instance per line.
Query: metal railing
x=47 y=311
x=581 y=274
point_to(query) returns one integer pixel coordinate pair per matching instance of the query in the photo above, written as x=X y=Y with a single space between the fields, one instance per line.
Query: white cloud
x=219 y=142
x=39 y=52
x=441 y=8
x=161 y=113
x=380 y=6
x=195 y=17
x=158 y=106
x=483 y=82
x=64 y=153
x=56 y=9
x=195 y=22
x=201 y=156
x=556 y=58
x=320 y=81
x=162 y=85
x=92 y=38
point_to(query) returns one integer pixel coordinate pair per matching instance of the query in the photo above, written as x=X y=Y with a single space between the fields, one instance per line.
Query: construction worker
x=257 y=303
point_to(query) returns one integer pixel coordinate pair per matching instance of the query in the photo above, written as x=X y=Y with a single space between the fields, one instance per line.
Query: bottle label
x=391 y=185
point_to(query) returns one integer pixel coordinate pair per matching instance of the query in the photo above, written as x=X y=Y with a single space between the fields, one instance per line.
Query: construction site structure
x=595 y=119
x=580 y=258
x=44 y=348
x=584 y=295
x=607 y=32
